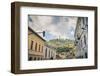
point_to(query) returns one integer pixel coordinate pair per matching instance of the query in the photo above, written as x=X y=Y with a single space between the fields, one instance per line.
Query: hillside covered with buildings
x=63 y=48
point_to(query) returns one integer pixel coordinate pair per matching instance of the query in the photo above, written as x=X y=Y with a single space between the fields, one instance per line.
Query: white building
x=81 y=37
x=49 y=52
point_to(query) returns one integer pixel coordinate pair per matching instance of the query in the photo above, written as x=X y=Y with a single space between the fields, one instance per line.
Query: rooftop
x=29 y=28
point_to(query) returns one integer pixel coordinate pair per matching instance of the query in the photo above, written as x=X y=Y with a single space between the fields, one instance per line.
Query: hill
x=62 y=45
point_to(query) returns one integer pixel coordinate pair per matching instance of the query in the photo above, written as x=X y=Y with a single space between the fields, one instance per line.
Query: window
x=51 y=58
x=84 y=39
x=81 y=43
x=30 y=58
x=34 y=58
x=36 y=47
x=49 y=53
x=46 y=52
x=84 y=21
x=85 y=55
x=31 y=45
x=78 y=37
x=38 y=58
x=87 y=22
x=42 y=49
x=39 y=48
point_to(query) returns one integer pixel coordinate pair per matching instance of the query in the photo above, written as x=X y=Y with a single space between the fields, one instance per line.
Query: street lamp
x=42 y=33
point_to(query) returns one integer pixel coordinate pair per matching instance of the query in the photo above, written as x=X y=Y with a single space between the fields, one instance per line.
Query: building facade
x=35 y=45
x=81 y=37
x=49 y=52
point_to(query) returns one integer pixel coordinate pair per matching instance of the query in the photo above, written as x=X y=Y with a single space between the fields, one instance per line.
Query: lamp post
x=42 y=33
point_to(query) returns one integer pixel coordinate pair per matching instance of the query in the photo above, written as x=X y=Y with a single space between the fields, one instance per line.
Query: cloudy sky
x=54 y=26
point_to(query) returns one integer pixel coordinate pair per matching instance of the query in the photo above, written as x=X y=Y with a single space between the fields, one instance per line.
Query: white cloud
x=63 y=27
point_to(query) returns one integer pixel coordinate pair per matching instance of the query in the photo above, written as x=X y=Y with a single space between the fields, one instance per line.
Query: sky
x=55 y=27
